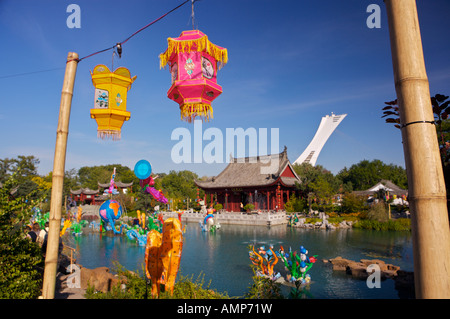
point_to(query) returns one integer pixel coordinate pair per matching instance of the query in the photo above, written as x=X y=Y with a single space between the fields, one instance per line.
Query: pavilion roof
x=118 y=184
x=85 y=191
x=254 y=172
x=383 y=184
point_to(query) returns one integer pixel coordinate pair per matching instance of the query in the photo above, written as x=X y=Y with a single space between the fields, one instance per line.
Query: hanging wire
x=117 y=46
x=193 y=16
x=27 y=73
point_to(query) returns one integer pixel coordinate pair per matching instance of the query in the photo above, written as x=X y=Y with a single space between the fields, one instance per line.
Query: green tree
x=145 y=201
x=441 y=110
x=20 y=277
x=352 y=203
x=6 y=167
x=315 y=178
x=318 y=184
x=90 y=176
x=367 y=173
x=322 y=189
x=71 y=181
x=24 y=176
x=179 y=184
x=295 y=204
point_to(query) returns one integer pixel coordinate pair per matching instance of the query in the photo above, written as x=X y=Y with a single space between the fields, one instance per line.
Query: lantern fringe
x=199 y=45
x=106 y=134
x=189 y=111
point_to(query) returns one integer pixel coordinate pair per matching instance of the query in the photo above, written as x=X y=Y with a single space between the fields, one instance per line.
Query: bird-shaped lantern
x=110 y=109
x=193 y=62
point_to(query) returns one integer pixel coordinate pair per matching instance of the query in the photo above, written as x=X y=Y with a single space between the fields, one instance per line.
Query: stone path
x=64 y=292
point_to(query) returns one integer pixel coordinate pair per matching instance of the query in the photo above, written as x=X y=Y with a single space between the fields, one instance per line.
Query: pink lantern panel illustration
x=194 y=62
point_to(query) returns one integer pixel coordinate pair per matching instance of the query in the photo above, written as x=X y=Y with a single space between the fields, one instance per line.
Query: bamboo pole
x=51 y=257
x=426 y=186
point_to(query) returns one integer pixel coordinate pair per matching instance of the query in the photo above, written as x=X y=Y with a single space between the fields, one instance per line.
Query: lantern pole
x=51 y=257
x=427 y=194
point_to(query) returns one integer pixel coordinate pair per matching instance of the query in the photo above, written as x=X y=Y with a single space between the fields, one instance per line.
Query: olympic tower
x=327 y=126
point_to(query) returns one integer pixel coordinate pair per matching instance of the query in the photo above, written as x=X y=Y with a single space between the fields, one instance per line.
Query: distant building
x=95 y=197
x=399 y=195
x=123 y=187
x=250 y=180
x=84 y=195
x=326 y=127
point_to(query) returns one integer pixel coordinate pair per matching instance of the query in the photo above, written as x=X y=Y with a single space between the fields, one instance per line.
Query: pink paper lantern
x=194 y=62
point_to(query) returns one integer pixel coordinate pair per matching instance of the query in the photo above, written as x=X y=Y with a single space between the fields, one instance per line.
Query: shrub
x=138 y=287
x=186 y=288
x=401 y=224
x=21 y=260
x=352 y=203
x=378 y=212
x=295 y=204
x=20 y=277
x=248 y=207
x=263 y=288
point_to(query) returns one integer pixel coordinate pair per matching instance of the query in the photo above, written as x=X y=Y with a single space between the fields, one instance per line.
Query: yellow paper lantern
x=110 y=108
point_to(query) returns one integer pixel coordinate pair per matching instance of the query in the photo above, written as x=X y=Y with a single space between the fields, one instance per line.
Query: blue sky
x=290 y=63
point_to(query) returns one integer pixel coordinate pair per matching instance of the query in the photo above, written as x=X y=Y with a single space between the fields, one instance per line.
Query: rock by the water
x=359 y=269
x=100 y=278
x=404 y=280
x=323 y=224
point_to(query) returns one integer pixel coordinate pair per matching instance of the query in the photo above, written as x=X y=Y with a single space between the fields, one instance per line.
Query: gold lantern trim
x=110 y=106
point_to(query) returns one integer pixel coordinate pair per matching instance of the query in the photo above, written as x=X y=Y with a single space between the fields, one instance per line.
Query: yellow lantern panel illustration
x=110 y=105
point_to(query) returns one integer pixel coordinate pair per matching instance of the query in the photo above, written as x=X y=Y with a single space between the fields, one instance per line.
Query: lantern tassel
x=189 y=111
x=106 y=134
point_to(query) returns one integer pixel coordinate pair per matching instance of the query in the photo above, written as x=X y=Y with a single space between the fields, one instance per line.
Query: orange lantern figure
x=194 y=62
x=110 y=110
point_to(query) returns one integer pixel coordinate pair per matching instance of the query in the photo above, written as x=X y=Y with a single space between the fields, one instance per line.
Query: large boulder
x=100 y=278
x=338 y=263
x=359 y=269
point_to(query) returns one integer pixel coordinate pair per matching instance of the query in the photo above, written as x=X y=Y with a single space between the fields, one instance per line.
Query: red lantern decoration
x=194 y=62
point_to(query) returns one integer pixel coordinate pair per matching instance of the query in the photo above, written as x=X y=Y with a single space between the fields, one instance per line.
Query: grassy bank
x=400 y=224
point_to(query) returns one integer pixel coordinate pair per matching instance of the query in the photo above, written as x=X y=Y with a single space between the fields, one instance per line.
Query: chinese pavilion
x=265 y=181
x=95 y=197
x=84 y=195
x=124 y=187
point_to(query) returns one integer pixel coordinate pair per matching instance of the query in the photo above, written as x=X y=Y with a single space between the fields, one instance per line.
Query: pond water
x=222 y=257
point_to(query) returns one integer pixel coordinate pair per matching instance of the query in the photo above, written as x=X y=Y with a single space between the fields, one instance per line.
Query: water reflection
x=223 y=257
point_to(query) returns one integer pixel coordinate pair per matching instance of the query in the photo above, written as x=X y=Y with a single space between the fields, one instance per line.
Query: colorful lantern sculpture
x=194 y=62
x=110 y=110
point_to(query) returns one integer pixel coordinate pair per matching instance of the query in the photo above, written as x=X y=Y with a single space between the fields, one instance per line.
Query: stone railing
x=224 y=218
x=229 y=218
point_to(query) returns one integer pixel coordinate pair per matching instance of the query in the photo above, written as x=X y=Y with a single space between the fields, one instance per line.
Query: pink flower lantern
x=193 y=62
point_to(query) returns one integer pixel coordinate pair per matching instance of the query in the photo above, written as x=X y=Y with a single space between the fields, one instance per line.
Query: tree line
x=179 y=186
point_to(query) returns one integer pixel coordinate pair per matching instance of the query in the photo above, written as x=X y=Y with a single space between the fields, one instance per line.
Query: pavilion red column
x=226 y=201
x=278 y=198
